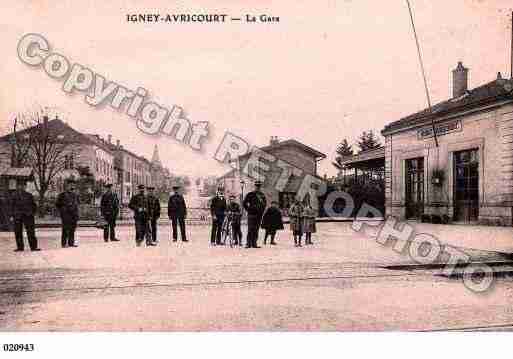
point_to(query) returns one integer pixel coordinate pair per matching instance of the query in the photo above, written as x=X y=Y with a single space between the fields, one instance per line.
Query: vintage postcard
x=266 y=166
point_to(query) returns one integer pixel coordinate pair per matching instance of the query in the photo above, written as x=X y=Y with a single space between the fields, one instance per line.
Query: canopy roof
x=372 y=159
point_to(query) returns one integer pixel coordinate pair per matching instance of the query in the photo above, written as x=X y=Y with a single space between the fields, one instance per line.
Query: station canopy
x=366 y=161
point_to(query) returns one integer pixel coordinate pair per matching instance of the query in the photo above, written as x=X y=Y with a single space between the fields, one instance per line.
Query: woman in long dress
x=308 y=222
x=296 y=221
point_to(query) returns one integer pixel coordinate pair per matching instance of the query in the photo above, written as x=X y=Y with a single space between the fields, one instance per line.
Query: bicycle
x=227 y=231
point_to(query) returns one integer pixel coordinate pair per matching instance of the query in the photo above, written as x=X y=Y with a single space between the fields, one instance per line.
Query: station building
x=468 y=177
x=465 y=174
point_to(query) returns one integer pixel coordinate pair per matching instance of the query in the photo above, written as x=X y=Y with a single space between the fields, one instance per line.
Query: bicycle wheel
x=230 y=236
x=224 y=231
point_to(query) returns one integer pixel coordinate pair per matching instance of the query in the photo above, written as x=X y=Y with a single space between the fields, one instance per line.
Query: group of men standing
x=147 y=211
x=254 y=203
x=23 y=208
x=146 y=208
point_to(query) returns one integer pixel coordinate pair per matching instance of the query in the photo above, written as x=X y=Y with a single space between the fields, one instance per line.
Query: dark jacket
x=176 y=207
x=22 y=203
x=109 y=205
x=272 y=219
x=255 y=203
x=218 y=206
x=139 y=201
x=153 y=207
x=68 y=205
x=235 y=211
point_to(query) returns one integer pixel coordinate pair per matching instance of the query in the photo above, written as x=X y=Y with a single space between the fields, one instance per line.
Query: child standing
x=272 y=222
x=308 y=222
x=296 y=221
x=235 y=214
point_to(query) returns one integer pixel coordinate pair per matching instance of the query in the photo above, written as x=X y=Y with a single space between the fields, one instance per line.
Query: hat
x=71 y=181
x=141 y=186
x=258 y=183
x=175 y=187
x=108 y=185
x=150 y=188
x=220 y=189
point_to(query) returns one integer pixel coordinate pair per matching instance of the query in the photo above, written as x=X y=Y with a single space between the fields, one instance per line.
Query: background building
x=89 y=154
x=291 y=152
x=80 y=151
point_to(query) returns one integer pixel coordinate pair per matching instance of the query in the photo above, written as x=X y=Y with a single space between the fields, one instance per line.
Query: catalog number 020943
x=18 y=347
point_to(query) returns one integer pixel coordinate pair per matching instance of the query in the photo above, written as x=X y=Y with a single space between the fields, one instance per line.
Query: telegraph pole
x=511 y=60
x=423 y=71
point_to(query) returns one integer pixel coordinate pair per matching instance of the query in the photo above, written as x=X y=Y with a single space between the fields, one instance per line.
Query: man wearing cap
x=254 y=203
x=109 y=208
x=177 y=213
x=68 y=206
x=217 y=210
x=22 y=209
x=139 y=205
x=153 y=212
x=235 y=213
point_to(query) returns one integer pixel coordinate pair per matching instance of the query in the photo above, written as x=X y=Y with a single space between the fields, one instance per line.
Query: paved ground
x=340 y=283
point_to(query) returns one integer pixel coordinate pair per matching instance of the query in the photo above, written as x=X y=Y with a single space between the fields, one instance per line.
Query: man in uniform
x=109 y=207
x=22 y=211
x=139 y=205
x=177 y=213
x=235 y=212
x=254 y=203
x=217 y=210
x=68 y=206
x=153 y=212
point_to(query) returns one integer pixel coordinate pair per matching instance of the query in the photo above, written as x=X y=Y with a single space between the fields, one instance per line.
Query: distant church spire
x=156 y=158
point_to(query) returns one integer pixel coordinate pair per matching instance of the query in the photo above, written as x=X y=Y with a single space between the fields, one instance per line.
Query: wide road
x=339 y=283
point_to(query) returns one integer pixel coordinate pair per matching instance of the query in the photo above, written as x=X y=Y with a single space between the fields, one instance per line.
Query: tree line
x=366 y=141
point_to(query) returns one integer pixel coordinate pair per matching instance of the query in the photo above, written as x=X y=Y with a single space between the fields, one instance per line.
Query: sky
x=327 y=71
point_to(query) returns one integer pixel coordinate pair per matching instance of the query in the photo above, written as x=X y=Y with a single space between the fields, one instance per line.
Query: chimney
x=274 y=140
x=118 y=144
x=45 y=120
x=459 y=80
x=109 y=138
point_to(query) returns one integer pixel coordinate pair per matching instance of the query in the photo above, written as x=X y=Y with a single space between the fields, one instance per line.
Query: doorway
x=414 y=188
x=466 y=185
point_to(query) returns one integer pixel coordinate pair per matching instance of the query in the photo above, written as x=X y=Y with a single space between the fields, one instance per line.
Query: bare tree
x=40 y=144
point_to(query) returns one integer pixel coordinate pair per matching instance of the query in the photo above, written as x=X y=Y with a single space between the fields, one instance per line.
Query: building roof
x=290 y=142
x=98 y=141
x=364 y=160
x=56 y=126
x=487 y=94
x=270 y=148
x=14 y=172
x=115 y=148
